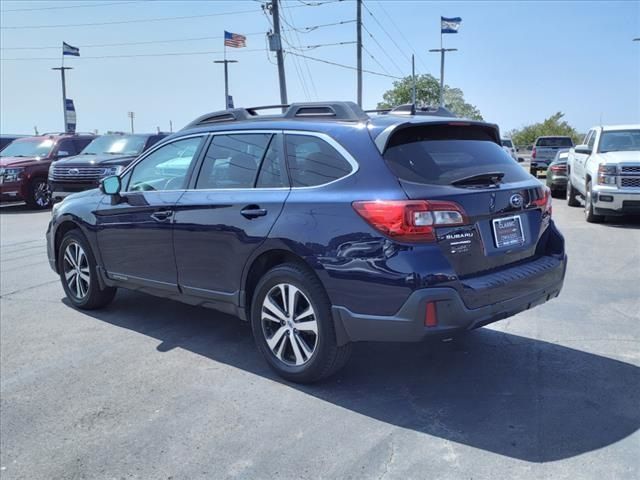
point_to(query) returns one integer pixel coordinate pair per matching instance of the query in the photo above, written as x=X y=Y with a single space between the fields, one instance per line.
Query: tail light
x=533 y=152
x=544 y=201
x=558 y=168
x=410 y=220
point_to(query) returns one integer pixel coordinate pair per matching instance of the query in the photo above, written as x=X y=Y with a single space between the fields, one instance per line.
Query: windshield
x=507 y=143
x=555 y=142
x=442 y=155
x=32 y=147
x=620 y=141
x=116 y=144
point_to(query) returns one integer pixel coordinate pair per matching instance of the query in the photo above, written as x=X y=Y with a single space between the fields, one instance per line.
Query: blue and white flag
x=70 y=50
x=450 y=25
x=70 y=116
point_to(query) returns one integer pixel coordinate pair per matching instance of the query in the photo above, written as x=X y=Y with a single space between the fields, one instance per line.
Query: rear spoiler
x=382 y=140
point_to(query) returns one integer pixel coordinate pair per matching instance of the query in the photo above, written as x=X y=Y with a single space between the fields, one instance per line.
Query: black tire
x=589 y=210
x=572 y=193
x=327 y=357
x=94 y=296
x=39 y=194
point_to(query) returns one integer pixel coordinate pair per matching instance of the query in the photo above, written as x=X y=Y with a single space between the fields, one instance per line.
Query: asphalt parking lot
x=153 y=389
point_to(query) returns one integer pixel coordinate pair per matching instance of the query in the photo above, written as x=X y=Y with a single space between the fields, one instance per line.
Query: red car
x=24 y=165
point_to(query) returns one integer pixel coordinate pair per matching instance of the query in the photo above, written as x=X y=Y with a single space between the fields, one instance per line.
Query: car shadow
x=511 y=395
x=17 y=208
x=628 y=221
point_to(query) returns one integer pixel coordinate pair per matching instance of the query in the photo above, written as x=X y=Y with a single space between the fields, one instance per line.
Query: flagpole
x=441 y=67
x=62 y=69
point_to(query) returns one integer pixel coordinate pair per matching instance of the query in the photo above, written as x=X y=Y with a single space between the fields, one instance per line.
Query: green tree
x=428 y=93
x=554 y=125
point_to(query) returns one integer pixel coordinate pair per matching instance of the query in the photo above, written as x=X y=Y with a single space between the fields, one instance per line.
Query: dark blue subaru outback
x=322 y=226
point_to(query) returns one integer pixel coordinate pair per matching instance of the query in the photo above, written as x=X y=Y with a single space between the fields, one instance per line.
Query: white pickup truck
x=605 y=171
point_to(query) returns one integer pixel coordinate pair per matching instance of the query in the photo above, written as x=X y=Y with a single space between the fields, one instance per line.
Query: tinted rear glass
x=507 y=143
x=555 y=142
x=443 y=154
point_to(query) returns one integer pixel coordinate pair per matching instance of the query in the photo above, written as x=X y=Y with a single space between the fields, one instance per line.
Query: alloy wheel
x=289 y=324
x=42 y=194
x=76 y=270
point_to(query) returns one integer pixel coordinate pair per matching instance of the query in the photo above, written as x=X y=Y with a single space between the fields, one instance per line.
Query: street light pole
x=131 y=115
x=442 y=53
x=226 y=80
x=64 y=94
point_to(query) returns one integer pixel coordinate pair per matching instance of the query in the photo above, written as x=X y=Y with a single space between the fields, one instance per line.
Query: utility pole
x=442 y=53
x=413 y=78
x=276 y=44
x=226 y=80
x=170 y=126
x=131 y=115
x=359 y=49
x=64 y=94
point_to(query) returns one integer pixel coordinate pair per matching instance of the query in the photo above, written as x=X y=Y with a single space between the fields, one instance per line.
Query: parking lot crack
x=390 y=460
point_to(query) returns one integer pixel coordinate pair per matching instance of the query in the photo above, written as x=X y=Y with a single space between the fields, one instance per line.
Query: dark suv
x=106 y=155
x=321 y=226
x=25 y=162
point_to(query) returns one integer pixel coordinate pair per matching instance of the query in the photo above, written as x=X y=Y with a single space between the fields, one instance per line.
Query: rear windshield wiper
x=482 y=179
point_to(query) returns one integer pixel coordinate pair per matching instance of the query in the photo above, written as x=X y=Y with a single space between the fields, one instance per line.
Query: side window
x=80 y=143
x=232 y=161
x=592 y=139
x=166 y=168
x=272 y=172
x=67 y=145
x=312 y=161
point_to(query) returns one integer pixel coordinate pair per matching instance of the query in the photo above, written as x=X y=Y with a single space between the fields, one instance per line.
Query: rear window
x=507 y=143
x=554 y=142
x=443 y=154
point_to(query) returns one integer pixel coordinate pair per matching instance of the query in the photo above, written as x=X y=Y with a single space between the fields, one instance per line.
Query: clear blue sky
x=518 y=62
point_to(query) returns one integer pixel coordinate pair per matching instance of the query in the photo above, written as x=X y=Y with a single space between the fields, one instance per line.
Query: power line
x=317 y=4
x=306 y=64
x=121 y=22
x=350 y=67
x=402 y=34
x=382 y=48
x=296 y=61
x=315 y=27
x=171 y=54
x=386 y=33
x=376 y=60
x=68 y=6
x=122 y=44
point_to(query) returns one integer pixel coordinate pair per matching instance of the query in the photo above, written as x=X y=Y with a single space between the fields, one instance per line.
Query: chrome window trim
x=323 y=136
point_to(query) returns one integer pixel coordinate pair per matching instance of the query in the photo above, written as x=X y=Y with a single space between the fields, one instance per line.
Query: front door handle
x=253 y=211
x=162 y=215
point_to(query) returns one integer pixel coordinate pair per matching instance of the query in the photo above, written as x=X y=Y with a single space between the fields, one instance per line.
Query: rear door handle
x=162 y=215
x=253 y=211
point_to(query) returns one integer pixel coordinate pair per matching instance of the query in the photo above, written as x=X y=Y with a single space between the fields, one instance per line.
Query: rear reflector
x=410 y=220
x=431 y=317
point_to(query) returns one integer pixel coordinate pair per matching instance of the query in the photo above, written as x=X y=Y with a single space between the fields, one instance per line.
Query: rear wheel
x=293 y=327
x=39 y=195
x=589 y=210
x=572 y=201
x=78 y=273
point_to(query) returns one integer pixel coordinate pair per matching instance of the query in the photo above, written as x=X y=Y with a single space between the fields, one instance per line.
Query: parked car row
x=31 y=168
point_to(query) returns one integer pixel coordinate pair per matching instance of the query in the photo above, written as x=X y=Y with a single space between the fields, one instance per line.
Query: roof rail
x=347 y=111
x=412 y=109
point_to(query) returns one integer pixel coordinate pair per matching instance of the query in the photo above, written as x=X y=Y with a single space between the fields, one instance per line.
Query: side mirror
x=111 y=185
x=583 y=149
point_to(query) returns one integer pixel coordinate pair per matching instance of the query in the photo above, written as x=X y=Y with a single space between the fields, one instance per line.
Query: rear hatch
x=505 y=209
x=547 y=147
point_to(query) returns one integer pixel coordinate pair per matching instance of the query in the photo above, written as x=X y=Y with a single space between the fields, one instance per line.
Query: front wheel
x=79 y=275
x=572 y=201
x=39 y=195
x=589 y=214
x=293 y=327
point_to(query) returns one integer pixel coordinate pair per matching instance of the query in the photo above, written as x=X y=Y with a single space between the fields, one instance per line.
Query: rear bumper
x=616 y=202
x=453 y=316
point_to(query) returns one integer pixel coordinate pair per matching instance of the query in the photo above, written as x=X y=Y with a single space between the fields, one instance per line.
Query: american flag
x=234 y=40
